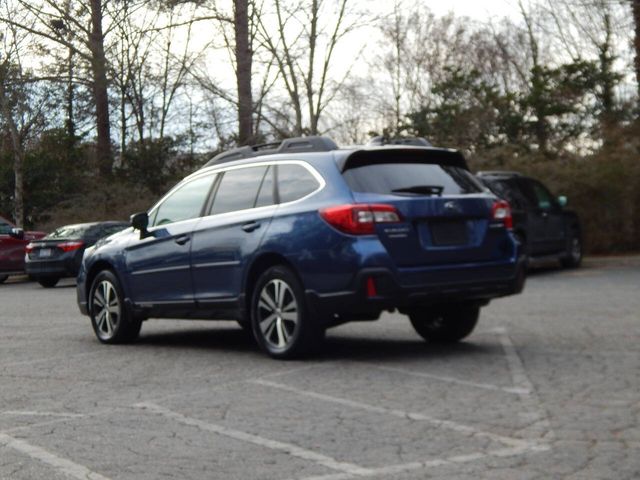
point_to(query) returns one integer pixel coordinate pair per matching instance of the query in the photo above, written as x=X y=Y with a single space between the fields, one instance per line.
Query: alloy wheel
x=106 y=309
x=576 y=249
x=278 y=313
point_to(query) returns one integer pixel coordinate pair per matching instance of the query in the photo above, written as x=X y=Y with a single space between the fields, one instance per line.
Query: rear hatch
x=446 y=215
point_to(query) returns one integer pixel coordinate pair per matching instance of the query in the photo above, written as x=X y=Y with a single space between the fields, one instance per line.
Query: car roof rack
x=288 y=145
x=498 y=173
x=414 y=141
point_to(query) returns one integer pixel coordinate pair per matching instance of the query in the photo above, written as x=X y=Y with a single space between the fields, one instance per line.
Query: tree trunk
x=100 y=89
x=244 y=58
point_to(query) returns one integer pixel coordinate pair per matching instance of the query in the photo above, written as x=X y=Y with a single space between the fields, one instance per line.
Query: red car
x=12 y=244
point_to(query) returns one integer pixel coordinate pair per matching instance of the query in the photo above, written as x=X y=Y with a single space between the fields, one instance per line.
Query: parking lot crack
x=286 y=448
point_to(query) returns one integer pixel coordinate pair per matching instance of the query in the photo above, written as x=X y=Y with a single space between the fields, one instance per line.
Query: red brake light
x=359 y=219
x=501 y=211
x=70 y=246
x=28 y=248
x=372 y=291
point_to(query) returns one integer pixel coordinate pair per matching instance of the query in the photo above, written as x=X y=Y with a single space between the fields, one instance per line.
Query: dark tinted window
x=185 y=202
x=295 y=182
x=507 y=190
x=102 y=231
x=5 y=228
x=111 y=229
x=526 y=187
x=265 y=195
x=543 y=196
x=238 y=189
x=405 y=178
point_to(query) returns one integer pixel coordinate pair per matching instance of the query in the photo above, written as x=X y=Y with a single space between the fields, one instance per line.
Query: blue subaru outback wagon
x=290 y=240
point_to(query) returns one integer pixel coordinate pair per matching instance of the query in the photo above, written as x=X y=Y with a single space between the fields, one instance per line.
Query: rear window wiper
x=421 y=190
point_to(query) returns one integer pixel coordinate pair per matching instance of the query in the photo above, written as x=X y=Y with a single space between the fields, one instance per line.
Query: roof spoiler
x=439 y=156
x=413 y=141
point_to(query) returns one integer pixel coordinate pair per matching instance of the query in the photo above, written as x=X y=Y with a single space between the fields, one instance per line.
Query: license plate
x=449 y=233
x=45 y=252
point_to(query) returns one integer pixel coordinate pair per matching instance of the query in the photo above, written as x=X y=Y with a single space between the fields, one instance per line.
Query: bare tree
x=302 y=40
x=21 y=110
x=51 y=21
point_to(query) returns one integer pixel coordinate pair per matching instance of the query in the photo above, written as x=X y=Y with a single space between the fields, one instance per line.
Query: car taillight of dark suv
x=292 y=240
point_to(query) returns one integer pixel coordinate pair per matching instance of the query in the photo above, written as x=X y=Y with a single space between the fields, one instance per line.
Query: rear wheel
x=281 y=322
x=110 y=318
x=573 y=255
x=48 y=282
x=445 y=323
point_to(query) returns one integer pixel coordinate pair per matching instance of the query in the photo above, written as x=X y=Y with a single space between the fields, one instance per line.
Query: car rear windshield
x=411 y=179
x=70 y=231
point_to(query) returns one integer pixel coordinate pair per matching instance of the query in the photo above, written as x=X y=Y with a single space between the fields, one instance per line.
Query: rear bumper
x=52 y=268
x=418 y=287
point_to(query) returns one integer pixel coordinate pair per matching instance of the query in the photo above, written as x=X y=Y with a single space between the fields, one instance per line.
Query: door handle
x=251 y=226
x=181 y=240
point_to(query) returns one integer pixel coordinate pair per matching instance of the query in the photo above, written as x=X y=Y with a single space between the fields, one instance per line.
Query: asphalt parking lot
x=547 y=387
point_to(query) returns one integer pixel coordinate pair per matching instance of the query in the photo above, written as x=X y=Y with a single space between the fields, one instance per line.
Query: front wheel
x=281 y=322
x=110 y=319
x=445 y=323
x=573 y=255
x=48 y=282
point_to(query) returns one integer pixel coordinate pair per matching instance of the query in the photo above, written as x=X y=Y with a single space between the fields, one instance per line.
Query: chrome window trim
x=216 y=169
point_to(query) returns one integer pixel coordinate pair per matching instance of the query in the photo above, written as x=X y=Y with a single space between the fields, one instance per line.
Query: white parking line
x=446 y=424
x=288 y=448
x=28 y=413
x=486 y=386
x=63 y=465
x=541 y=425
x=386 y=472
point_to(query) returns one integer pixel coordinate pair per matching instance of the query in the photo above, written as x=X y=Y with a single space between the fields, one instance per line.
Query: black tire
x=572 y=257
x=445 y=323
x=48 y=282
x=281 y=322
x=3 y=278
x=111 y=321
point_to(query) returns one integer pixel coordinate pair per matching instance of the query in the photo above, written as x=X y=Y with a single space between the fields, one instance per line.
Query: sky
x=477 y=9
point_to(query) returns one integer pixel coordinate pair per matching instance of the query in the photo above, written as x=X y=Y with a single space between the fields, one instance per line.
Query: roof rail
x=498 y=173
x=288 y=145
x=415 y=141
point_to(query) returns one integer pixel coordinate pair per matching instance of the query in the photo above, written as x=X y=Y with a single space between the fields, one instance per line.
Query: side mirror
x=140 y=221
x=17 y=233
x=562 y=200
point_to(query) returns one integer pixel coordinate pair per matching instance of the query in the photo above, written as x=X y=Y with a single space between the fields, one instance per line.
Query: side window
x=5 y=228
x=294 y=182
x=543 y=196
x=265 y=194
x=238 y=189
x=185 y=202
x=513 y=195
x=526 y=188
